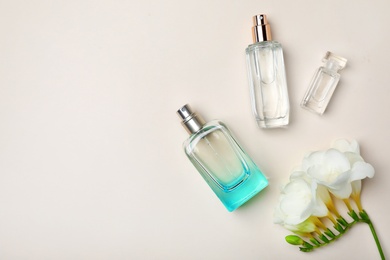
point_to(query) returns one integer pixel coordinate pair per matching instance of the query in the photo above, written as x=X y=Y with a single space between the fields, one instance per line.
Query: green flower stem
x=366 y=219
x=378 y=244
x=322 y=239
x=335 y=237
x=328 y=236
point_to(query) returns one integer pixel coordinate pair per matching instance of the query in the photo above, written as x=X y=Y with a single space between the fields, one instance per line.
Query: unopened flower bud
x=294 y=240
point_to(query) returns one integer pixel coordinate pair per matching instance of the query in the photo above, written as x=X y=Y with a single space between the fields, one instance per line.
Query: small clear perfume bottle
x=214 y=152
x=323 y=84
x=267 y=77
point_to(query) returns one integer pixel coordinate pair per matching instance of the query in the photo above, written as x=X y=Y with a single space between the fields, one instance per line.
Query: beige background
x=91 y=163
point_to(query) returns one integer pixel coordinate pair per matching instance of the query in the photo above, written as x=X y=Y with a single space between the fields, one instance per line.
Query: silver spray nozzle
x=191 y=121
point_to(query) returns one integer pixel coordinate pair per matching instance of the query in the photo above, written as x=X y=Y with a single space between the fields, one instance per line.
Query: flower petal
x=295 y=208
x=353 y=158
x=340 y=181
x=342 y=193
x=295 y=204
x=320 y=209
x=361 y=170
x=327 y=168
x=356 y=187
x=306 y=226
x=336 y=161
x=344 y=146
x=323 y=194
x=314 y=158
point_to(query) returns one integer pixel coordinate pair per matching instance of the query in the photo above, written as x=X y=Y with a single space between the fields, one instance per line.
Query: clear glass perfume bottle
x=267 y=77
x=323 y=84
x=227 y=169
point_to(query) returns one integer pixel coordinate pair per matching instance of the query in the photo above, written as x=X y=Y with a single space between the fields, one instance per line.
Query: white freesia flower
x=336 y=170
x=297 y=204
x=352 y=152
x=305 y=202
x=320 y=193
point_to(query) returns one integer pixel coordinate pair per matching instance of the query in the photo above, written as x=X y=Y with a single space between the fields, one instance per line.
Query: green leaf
x=340 y=222
x=330 y=234
x=353 y=215
x=294 y=240
x=339 y=228
x=315 y=241
x=304 y=249
x=307 y=245
x=343 y=222
x=324 y=238
x=364 y=216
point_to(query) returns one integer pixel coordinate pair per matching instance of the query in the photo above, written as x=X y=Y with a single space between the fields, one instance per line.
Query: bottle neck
x=332 y=65
x=193 y=124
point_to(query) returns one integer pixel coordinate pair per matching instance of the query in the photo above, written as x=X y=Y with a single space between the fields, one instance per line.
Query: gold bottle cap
x=261 y=31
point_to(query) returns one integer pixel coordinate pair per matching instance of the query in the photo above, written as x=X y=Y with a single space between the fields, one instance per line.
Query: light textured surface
x=91 y=163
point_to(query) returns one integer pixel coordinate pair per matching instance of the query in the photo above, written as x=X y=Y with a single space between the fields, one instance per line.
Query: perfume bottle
x=267 y=77
x=214 y=152
x=323 y=84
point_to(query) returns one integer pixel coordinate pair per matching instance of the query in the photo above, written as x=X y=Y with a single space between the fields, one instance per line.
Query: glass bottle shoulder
x=264 y=45
x=329 y=72
x=208 y=128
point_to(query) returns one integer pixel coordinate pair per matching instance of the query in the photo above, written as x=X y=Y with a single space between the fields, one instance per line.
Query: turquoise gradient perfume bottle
x=223 y=164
